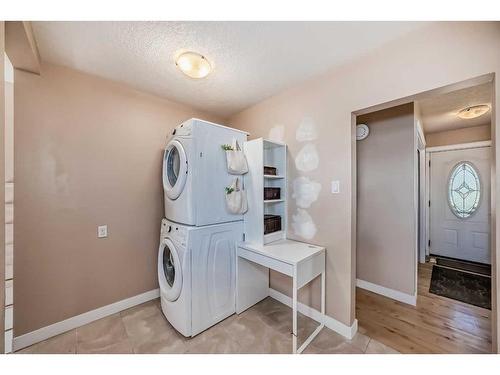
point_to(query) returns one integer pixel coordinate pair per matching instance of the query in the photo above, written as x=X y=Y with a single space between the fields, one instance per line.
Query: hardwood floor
x=436 y=325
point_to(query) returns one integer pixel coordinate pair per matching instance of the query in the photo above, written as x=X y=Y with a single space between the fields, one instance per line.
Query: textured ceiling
x=439 y=113
x=252 y=60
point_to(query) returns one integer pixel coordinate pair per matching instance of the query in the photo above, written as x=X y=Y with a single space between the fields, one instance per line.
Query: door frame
x=428 y=152
x=420 y=179
x=495 y=187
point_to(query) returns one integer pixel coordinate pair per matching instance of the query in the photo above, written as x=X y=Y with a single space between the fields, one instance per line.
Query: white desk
x=301 y=261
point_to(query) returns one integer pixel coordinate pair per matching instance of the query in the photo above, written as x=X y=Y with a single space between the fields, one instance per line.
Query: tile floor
x=264 y=328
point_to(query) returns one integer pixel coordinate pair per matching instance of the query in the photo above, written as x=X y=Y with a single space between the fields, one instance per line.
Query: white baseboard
x=333 y=324
x=387 y=292
x=55 y=329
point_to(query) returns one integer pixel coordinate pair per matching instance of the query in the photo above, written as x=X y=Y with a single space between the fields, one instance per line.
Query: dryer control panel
x=183 y=130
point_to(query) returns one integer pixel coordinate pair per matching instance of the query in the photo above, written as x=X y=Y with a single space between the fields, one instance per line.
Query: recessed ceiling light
x=193 y=64
x=474 y=111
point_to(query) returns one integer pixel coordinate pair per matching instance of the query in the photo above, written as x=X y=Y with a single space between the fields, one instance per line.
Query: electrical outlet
x=102 y=231
x=335 y=187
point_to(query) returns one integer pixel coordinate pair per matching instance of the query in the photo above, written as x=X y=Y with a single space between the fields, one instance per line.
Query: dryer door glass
x=175 y=169
x=173 y=165
x=168 y=266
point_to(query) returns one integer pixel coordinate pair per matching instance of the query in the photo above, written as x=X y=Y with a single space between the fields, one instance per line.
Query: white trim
x=461 y=146
x=55 y=329
x=421 y=136
x=8 y=70
x=387 y=292
x=333 y=324
x=426 y=202
x=419 y=146
x=421 y=227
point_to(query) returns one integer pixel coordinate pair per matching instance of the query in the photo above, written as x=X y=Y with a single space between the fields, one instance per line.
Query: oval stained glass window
x=464 y=190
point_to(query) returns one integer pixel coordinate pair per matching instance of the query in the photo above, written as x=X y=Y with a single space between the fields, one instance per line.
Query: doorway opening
x=423 y=220
x=458 y=185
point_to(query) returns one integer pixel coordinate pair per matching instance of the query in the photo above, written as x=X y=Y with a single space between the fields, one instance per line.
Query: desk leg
x=322 y=323
x=323 y=294
x=294 y=316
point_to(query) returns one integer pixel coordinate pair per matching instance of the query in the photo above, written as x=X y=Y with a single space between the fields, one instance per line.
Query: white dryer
x=195 y=174
x=196 y=272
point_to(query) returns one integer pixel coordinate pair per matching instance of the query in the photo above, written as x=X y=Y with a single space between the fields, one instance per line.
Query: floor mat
x=483 y=269
x=462 y=286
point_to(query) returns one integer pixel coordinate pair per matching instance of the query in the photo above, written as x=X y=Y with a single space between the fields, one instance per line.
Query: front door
x=460 y=204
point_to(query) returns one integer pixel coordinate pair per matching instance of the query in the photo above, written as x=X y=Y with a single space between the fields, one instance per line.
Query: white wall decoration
x=277 y=133
x=306 y=130
x=307 y=159
x=305 y=191
x=303 y=224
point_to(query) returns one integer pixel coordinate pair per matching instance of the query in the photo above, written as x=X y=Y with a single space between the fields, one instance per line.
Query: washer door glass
x=168 y=266
x=175 y=169
x=169 y=270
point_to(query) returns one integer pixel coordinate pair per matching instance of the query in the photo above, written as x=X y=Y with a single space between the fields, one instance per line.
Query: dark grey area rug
x=462 y=286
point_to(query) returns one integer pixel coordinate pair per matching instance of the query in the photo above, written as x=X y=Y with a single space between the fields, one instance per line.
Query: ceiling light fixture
x=193 y=64
x=474 y=111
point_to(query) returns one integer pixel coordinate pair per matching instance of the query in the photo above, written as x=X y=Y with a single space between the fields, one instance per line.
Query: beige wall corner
x=2 y=187
x=21 y=47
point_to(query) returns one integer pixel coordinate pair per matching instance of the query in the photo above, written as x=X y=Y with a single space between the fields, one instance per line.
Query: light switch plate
x=102 y=231
x=335 y=187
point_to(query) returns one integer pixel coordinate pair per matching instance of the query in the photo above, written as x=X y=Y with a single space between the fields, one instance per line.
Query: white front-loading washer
x=174 y=277
x=195 y=174
x=197 y=274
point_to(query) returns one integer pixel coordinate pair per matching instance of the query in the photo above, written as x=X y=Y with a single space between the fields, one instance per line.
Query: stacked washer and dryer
x=196 y=258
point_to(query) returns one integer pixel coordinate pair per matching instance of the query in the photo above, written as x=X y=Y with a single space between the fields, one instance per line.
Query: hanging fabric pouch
x=235 y=158
x=236 y=198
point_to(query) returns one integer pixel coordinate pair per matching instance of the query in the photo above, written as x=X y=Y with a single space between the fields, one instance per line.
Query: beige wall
x=401 y=69
x=2 y=187
x=87 y=152
x=457 y=136
x=386 y=227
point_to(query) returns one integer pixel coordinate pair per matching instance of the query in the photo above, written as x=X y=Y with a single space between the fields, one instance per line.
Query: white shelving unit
x=272 y=177
x=260 y=252
x=262 y=152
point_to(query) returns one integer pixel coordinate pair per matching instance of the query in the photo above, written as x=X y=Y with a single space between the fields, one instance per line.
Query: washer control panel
x=176 y=233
